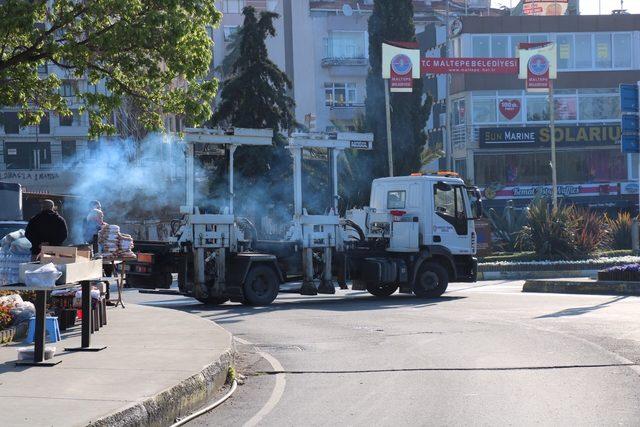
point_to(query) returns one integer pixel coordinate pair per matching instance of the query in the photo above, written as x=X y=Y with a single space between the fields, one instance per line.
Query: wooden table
x=41 y=309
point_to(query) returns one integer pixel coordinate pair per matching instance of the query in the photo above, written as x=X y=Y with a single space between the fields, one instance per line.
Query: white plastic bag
x=44 y=276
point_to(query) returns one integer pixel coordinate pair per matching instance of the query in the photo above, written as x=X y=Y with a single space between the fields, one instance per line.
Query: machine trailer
x=416 y=236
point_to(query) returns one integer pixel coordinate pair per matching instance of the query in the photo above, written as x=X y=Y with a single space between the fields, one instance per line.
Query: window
x=622 y=50
x=396 y=199
x=346 y=44
x=92 y=148
x=232 y=6
x=537 y=109
x=603 y=50
x=484 y=110
x=26 y=155
x=481 y=46
x=229 y=32
x=538 y=38
x=459 y=112
x=44 y=126
x=515 y=42
x=69 y=88
x=575 y=167
x=565 y=51
x=71 y=120
x=340 y=94
x=599 y=107
x=68 y=151
x=11 y=122
x=565 y=108
x=583 y=51
x=460 y=166
x=500 y=46
x=449 y=202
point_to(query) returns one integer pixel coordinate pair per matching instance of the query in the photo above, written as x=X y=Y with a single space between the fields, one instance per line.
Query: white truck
x=417 y=235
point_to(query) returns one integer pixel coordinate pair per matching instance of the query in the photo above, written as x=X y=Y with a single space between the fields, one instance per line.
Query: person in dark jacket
x=46 y=228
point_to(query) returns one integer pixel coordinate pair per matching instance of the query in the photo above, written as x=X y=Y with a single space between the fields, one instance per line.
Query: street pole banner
x=469 y=65
x=537 y=65
x=400 y=64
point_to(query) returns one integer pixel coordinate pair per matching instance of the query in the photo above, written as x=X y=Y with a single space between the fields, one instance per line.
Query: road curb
x=534 y=274
x=177 y=401
x=591 y=287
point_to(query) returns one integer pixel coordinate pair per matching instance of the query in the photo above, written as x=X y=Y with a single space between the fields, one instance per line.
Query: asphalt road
x=484 y=354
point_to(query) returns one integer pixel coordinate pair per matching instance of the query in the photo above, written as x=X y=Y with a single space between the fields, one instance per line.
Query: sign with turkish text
x=532 y=191
x=540 y=136
x=537 y=65
x=469 y=65
x=401 y=74
x=509 y=108
x=400 y=64
x=545 y=7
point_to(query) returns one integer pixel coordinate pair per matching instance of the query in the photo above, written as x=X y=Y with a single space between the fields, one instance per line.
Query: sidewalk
x=158 y=365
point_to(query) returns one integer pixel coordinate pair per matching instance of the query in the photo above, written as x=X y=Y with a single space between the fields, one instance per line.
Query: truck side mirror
x=475 y=197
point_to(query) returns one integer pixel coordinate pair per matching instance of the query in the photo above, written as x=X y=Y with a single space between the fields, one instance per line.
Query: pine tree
x=392 y=20
x=255 y=95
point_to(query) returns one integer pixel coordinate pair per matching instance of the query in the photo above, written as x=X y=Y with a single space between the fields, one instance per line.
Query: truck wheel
x=166 y=280
x=381 y=290
x=213 y=300
x=261 y=286
x=431 y=281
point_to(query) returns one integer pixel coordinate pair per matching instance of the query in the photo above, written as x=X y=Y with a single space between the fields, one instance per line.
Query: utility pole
x=448 y=141
x=552 y=129
x=388 y=114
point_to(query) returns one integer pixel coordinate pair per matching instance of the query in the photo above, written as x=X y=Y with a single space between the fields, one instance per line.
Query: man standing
x=92 y=223
x=46 y=228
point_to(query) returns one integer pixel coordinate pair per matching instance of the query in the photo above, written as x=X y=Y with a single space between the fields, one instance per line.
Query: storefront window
x=459 y=111
x=565 y=51
x=599 y=107
x=500 y=46
x=481 y=46
x=574 y=167
x=537 y=109
x=565 y=108
x=484 y=110
x=603 y=50
x=623 y=50
x=583 y=51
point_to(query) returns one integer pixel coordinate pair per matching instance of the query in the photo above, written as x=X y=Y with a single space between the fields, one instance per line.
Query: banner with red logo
x=401 y=74
x=537 y=65
x=469 y=65
x=400 y=65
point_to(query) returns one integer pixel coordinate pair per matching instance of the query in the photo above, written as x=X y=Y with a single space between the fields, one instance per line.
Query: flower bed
x=623 y=273
x=588 y=264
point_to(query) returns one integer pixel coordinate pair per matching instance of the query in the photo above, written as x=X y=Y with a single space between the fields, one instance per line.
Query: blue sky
x=587 y=7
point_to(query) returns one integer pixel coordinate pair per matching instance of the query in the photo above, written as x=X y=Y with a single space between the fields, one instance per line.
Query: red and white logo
x=509 y=108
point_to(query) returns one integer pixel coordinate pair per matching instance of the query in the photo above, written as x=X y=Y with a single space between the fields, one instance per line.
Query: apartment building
x=595 y=55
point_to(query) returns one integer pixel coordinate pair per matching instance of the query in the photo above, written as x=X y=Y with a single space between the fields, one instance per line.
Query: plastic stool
x=51 y=326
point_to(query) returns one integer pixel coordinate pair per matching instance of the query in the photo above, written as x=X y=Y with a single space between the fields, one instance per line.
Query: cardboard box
x=72 y=272
x=63 y=255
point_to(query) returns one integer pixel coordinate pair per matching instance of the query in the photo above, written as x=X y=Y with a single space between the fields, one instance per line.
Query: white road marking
x=278 y=389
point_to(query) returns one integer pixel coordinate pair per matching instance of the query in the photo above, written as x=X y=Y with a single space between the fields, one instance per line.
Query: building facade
x=500 y=137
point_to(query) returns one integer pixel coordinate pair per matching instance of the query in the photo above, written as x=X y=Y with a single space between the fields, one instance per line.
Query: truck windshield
x=450 y=202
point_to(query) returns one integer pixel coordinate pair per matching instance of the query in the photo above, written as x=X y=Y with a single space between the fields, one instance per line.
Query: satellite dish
x=347 y=10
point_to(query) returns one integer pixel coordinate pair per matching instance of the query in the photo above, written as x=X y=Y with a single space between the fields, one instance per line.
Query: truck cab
x=417 y=235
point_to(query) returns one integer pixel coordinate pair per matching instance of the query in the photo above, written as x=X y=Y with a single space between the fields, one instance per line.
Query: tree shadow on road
x=578 y=311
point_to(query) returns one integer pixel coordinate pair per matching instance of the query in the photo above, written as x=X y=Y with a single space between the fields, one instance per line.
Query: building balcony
x=345 y=111
x=344 y=62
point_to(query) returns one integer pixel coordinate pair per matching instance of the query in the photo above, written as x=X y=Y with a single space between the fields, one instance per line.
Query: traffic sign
x=629 y=98
x=630 y=123
x=630 y=144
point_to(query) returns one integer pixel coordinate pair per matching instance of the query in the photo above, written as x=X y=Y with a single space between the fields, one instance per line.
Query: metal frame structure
x=320 y=232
